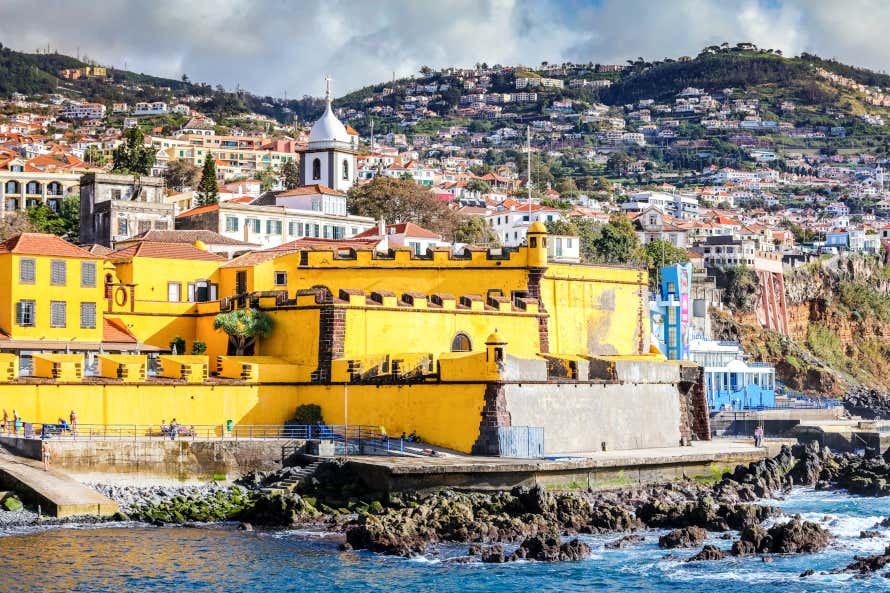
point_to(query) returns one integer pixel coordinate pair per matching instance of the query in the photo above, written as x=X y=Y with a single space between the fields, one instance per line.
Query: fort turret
x=537 y=245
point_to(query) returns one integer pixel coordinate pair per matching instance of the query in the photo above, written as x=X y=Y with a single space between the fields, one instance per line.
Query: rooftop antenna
x=528 y=147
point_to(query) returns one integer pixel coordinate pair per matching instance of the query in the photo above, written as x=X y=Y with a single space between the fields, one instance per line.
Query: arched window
x=461 y=343
x=316 y=169
x=345 y=169
x=12 y=187
x=54 y=189
x=33 y=188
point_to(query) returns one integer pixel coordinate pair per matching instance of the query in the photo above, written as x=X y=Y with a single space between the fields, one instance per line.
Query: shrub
x=307 y=414
x=179 y=344
x=199 y=347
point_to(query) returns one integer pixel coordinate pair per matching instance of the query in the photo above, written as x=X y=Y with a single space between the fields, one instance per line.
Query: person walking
x=16 y=421
x=45 y=452
x=758 y=436
x=173 y=428
x=73 y=421
x=5 y=427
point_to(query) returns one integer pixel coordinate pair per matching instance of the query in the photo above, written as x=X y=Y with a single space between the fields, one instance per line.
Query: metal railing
x=350 y=439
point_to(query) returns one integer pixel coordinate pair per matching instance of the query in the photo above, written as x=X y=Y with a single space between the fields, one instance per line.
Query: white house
x=512 y=219
x=677 y=205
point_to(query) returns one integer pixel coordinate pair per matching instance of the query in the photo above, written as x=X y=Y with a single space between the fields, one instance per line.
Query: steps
x=290 y=483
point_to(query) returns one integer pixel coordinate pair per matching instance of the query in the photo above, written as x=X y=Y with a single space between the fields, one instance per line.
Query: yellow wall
x=596 y=310
x=372 y=331
x=448 y=415
x=42 y=292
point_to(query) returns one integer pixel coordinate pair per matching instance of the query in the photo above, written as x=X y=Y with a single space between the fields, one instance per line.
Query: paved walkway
x=57 y=494
x=717 y=451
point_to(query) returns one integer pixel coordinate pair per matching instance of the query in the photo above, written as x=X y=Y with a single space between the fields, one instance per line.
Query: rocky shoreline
x=529 y=523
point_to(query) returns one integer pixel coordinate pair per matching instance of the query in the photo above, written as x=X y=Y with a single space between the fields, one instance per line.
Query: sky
x=286 y=47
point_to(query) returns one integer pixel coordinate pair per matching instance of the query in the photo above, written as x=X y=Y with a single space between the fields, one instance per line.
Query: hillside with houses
x=739 y=161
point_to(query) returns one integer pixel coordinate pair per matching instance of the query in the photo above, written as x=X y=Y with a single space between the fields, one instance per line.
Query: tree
x=617 y=163
x=266 y=178
x=180 y=174
x=133 y=156
x=208 y=190
x=65 y=222
x=617 y=241
x=402 y=200
x=243 y=326
x=15 y=223
x=566 y=186
x=94 y=156
x=741 y=287
x=478 y=186
x=473 y=230
x=661 y=253
x=290 y=174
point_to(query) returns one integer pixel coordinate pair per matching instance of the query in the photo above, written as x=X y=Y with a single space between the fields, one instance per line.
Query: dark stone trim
x=494 y=416
x=534 y=291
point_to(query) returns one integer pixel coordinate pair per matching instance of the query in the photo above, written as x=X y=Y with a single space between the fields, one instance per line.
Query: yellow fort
x=461 y=347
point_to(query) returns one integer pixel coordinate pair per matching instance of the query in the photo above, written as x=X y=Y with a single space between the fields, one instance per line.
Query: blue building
x=730 y=381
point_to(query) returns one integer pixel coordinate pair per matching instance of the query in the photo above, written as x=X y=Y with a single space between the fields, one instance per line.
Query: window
x=280 y=278
x=122 y=227
x=190 y=292
x=24 y=313
x=295 y=229
x=345 y=169
x=273 y=227
x=88 y=316
x=144 y=226
x=240 y=282
x=115 y=194
x=27 y=270
x=88 y=274
x=57 y=314
x=316 y=168
x=174 y=292
x=256 y=225
x=57 y=272
x=461 y=343
x=315 y=230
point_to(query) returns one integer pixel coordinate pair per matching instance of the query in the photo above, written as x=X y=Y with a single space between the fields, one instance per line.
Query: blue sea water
x=125 y=559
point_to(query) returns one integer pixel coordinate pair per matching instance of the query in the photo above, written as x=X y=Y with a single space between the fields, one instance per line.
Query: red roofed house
x=403 y=234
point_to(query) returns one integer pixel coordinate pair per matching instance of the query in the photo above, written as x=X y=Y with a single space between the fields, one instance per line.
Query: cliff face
x=839 y=321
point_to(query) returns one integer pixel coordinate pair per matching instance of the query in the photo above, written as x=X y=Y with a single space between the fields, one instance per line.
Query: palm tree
x=243 y=327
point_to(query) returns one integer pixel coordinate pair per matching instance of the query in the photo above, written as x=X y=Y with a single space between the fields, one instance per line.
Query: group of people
x=12 y=426
x=175 y=428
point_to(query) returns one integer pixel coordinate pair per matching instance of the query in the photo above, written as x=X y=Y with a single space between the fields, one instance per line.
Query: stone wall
x=580 y=417
x=181 y=459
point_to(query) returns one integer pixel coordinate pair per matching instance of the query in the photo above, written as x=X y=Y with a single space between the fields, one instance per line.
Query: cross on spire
x=327 y=88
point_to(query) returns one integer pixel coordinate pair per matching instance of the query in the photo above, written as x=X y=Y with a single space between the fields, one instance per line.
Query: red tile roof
x=164 y=251
x=115 y=330
x=407 y=228
x=44 y=244
x=198 y=210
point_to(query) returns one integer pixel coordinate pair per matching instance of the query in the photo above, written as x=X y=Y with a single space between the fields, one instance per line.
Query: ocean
x=132 y=558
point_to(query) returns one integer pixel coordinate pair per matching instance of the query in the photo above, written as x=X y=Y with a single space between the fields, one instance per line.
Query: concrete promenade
x=57 y=494
x=600 y=469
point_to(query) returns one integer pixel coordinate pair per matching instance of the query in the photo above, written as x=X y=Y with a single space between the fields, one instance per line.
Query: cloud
x=280 y=46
